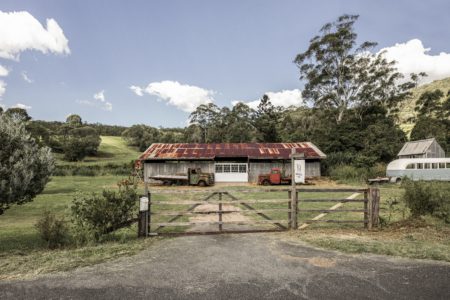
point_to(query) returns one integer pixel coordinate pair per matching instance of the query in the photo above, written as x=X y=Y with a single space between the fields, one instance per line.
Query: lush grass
x=23 y=253
x=112 y=150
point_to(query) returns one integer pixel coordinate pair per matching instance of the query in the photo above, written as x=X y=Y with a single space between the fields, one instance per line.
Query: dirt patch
x=226 y=217
x=322 y=262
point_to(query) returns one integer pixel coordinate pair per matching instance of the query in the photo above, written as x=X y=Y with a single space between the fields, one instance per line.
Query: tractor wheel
x=202 y=183
x=266 y=182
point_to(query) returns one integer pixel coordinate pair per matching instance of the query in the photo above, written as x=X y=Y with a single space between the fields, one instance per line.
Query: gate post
x=220 y=211
x=294 y=202
x=143 y=217
x=374 y=207
x=289 y=210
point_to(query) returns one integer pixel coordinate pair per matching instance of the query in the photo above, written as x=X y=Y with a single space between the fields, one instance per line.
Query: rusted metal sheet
x=160 y=151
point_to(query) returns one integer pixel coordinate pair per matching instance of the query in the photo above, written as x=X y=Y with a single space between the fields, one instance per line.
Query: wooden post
x=289 y=210
x=293 y=192
x=143 y=217
x=374 y=207
x=220 y=212
x=149 y=195
x=366 y=208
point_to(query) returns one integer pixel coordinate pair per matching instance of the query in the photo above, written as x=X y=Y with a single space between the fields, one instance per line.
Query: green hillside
x=113 y=149
x=407 y=108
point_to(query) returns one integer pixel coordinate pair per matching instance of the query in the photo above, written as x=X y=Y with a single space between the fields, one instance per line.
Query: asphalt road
x=244 y=266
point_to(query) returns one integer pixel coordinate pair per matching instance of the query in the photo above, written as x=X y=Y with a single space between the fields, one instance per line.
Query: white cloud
x=137 y=90
x=2 y=88
x=3 y=71
x=100 y=96
x=183 y=96
x=26 y=78
x=99 y=100
x=20 y=31
x=285 y=98
x=23 y=106
x=413 y=57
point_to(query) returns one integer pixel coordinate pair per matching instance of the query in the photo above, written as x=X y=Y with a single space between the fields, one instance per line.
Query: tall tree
x=266 y=121
x=339 y=75
x=18 y=114
x=25 y=168
x=205 y=116
x=74 y=120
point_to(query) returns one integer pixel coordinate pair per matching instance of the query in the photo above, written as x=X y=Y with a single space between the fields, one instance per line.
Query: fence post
x=366 y=209
x=374 y=207
x=149 y=195
x=143 y=217
x=289 y=210
x=220 y=211
x=294 y=206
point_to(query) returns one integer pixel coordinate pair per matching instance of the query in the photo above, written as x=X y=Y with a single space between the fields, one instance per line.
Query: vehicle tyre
x=266 y=182
x=201 y=183
x=398 y=180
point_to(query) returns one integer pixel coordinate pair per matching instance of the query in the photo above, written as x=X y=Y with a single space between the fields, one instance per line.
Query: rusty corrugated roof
x=248 y=150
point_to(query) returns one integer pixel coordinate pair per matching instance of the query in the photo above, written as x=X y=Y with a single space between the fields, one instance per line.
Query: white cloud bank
x=20 y=31
x=183 y=96
x=99 y=100
x=413 y=57
x=285 y=98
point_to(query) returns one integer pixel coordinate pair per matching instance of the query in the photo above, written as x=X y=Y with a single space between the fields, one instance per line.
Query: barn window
x=226 y=168
x=410 y=166
x=219 y=168
x=234 y=168
x=242 y=168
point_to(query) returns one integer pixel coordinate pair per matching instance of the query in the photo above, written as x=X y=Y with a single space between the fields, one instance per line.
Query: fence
x=212 y=212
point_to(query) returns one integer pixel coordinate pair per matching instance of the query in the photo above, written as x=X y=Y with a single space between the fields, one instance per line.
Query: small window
x=434 y=165
x=219 y=169
x=242 y=168
x=420 y=166
x=226 y=168
x=410 y=166
x=448 y=166
x=234 y=168
x=441 y=165
x=427 y=166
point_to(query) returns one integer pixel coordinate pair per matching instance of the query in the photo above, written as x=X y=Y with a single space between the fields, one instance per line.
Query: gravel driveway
x=241 y=266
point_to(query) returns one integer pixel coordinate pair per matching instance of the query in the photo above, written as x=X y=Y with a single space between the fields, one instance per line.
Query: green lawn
x=112 y=150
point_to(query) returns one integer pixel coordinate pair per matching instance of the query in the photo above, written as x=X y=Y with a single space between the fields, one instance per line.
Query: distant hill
x=407 y=108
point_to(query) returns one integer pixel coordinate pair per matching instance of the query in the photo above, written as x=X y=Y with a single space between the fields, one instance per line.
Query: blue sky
x=178 y=54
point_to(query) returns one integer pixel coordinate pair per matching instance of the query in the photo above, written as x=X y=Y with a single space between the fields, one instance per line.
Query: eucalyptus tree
x=339 y=74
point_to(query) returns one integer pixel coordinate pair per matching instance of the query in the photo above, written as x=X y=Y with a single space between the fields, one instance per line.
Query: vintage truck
x=193 y=177
x=275 y=177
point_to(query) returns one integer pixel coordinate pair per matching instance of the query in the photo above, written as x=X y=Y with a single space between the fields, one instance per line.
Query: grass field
x=23 y=253
x=112 y=150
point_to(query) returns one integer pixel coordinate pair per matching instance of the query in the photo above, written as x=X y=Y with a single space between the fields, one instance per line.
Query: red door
x=275 y=177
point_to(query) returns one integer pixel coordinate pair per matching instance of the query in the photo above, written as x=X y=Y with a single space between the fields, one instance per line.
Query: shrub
x=348 y=173
x=53 y=230
x=427 y=198
x=106 y=212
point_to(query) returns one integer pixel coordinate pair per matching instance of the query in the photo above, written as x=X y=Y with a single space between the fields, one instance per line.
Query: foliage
x=53 y=230
x=74 y=120
x=267 y=117
x=340 y=75
x=427 y=198
x=80 y=142
x=433 y=118
x=25 y=168
x=106 y=212
x=18 y=114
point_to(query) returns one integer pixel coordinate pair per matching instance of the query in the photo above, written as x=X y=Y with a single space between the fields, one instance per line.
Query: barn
x=428 y=148
x=230 y=162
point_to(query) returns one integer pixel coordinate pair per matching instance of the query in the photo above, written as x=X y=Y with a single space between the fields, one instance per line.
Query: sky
x=153 y=62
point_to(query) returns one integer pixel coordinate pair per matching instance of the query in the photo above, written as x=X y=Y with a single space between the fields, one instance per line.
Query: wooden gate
x=255 y=210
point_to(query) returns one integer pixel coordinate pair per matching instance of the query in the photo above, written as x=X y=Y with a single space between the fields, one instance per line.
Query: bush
x=106 y=212
x=427 y=198
x=53 y=230
x=348 y=173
